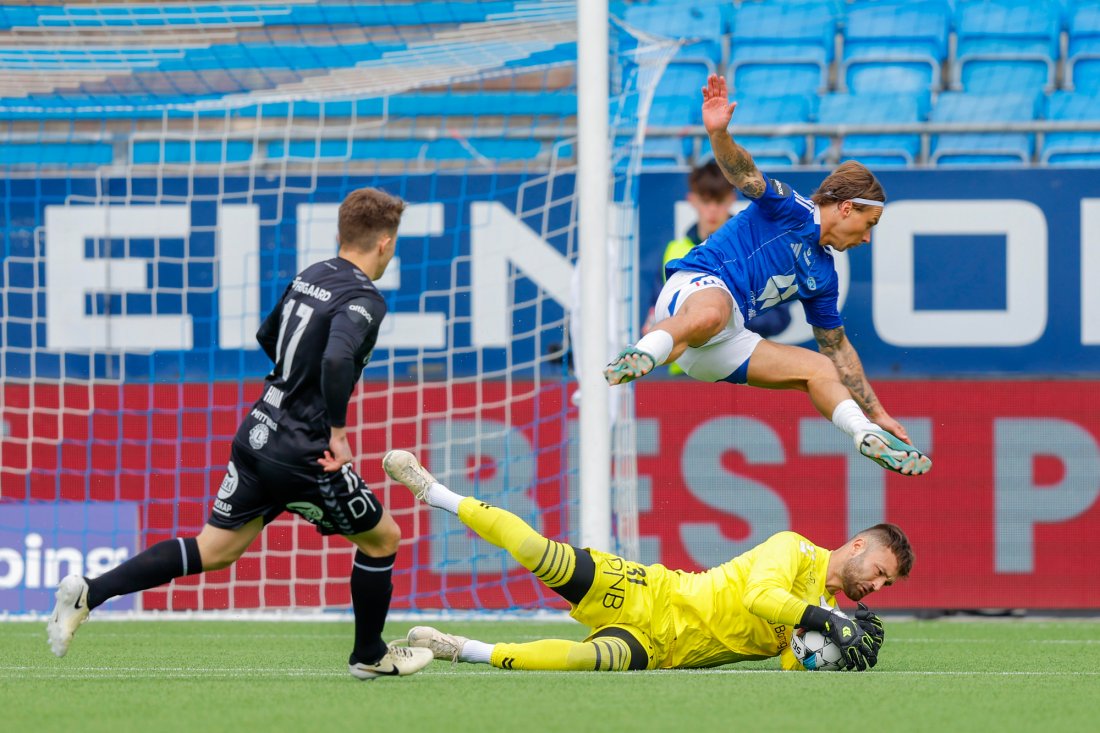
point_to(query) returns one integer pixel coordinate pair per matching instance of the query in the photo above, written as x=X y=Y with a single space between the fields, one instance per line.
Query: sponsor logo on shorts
x=229 y=483
x=258 y=435
x=223 y=507
x=811 y=283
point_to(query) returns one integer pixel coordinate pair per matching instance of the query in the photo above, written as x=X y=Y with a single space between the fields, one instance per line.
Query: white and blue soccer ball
x=815 y=650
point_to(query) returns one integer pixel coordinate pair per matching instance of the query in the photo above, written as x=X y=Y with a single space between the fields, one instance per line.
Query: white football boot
x=69 y=612
x=891 y=453
x=443 y=646
x=398 y=661
x=402 y=467
x=631 y=363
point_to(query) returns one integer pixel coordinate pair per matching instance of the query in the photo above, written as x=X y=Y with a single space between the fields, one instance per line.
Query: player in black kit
x=291 y=451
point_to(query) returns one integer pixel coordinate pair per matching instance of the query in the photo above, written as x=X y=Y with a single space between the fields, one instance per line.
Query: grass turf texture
x=237 y=676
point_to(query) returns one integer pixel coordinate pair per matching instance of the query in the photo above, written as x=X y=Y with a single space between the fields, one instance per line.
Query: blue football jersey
x=769 y=253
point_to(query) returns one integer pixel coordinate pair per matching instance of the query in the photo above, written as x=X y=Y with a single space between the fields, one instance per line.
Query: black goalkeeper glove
x=857 y=647
x=871 y=623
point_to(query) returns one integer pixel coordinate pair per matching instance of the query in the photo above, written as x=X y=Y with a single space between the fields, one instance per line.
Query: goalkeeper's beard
x=849 y=579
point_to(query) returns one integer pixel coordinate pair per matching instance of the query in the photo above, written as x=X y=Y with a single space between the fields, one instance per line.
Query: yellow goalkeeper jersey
x=744 y=608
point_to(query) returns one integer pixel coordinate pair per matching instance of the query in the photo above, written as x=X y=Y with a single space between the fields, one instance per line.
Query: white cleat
x=630 y=364
x=891 y=453
x=69 y=612
x=402 y=467
x=399 y=661
x=443 y=646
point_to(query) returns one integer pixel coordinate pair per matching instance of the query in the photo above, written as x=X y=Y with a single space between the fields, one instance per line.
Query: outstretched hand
x=338 y=453
x=717 y=109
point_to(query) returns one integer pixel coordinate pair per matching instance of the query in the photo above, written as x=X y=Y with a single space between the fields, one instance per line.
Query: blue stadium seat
x=1005 y=77
x=871 y=109
x=66 y=154
x=1083 y=52
x=677 y=104
x=682 y=84
x=895 y=46
x=457 y=104
x=698 y=24
x=781 y=47
x=216 y=15
x=1006 y=33
x=665 y=152
x=984 y=148
x=385 y=149
x=1071 y=148
x=765 y=69
x=182 y=151
x=771 y=152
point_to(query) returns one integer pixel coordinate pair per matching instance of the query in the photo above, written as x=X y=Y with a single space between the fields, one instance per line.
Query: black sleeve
x=268 y=335
x=351 y=338
x=814 y=618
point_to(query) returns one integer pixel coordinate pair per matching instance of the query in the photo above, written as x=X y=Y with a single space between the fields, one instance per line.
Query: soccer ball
x=816 y=651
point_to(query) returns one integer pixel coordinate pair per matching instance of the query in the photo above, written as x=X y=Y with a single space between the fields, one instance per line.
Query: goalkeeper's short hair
x=892 y=536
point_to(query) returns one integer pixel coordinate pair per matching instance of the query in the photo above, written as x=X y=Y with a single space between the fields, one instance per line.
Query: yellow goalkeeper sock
x=605 y=654
x=551 y=562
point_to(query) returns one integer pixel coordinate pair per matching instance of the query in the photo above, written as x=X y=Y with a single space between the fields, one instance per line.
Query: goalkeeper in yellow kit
x=651 y=617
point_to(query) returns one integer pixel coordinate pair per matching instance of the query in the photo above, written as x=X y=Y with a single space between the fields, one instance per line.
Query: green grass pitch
x=196 y=676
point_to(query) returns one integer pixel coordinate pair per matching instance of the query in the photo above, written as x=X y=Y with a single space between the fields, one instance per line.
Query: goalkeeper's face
x=869 y=568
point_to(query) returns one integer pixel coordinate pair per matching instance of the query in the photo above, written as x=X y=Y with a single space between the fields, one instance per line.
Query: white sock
x=440 y=497
x=848 y=417
x=477 y=652
x=656 y=343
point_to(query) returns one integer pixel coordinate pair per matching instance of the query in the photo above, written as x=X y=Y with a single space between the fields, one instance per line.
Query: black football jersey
x=320 y=336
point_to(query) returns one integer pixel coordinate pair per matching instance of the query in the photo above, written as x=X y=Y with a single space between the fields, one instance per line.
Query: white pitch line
x=996 y=641
x=152 y=673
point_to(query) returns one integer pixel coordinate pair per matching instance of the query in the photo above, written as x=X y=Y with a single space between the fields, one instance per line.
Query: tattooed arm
x=834 y=343
x=735 y=162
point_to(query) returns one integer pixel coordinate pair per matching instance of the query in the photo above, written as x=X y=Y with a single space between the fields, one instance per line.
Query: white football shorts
x=725 y=358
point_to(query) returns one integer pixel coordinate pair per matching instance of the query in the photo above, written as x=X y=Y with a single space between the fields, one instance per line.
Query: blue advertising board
x=970 y=272
x=42 y=543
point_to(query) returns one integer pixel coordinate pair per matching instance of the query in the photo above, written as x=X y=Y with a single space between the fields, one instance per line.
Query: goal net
x=167 y=168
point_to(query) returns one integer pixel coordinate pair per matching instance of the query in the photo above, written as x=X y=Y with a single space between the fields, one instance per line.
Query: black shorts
x=335 y=503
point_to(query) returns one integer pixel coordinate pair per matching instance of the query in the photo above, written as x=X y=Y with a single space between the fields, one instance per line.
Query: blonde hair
x=851 y=180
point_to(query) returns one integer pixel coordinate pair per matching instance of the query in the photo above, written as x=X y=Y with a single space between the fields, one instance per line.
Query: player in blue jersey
x=775 y=250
